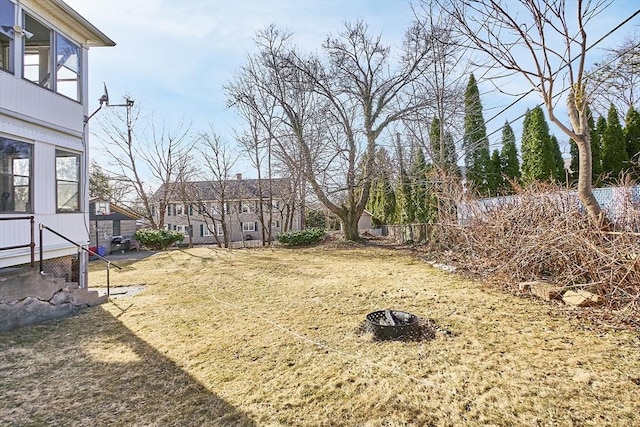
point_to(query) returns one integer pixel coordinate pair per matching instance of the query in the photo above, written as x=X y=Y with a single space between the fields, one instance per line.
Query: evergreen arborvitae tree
x=420 y=197
x=632 y=140
x=614 y=150
x=443 y=152
x=382 y=202
x=538 y=162
x=475 y=142
x=404 y=213
x=596 y=149
x=495 y=182
x=573 y=150
x=510 y=165
x=558 y=166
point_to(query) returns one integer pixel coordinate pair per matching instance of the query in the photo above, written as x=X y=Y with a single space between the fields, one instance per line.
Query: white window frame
x=245 y=207
x=275 y=224
x=205 y=231
x=219 y=229
x=103 y=208
x=248 y=226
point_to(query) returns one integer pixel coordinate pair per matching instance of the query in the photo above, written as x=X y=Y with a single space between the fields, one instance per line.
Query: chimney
x=239 y=176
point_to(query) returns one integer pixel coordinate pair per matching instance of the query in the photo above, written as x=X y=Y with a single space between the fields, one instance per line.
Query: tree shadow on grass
x=90 y=369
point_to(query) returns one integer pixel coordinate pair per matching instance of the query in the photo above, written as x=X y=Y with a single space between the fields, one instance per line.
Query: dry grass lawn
x=271 y=337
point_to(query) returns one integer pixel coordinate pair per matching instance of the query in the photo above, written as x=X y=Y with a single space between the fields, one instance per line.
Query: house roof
x=233 y=189
x=114 y=208
x=93 y=36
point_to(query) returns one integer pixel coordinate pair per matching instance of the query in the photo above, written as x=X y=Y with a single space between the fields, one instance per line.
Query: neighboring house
x=44 y=103
x=202 y=212
x=107 y=220
x=364 y=223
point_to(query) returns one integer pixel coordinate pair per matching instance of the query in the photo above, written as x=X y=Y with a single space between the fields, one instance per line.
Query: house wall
x=234 y=222
x=47 y=120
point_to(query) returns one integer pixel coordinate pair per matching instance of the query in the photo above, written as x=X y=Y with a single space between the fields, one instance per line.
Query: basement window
x=16 y=159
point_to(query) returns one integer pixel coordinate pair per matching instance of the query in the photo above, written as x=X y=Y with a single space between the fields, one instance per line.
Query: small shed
x=365 y=221
x=107 y=219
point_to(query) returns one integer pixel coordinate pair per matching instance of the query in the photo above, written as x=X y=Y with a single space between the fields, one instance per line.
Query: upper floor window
x=15 y=175
x=44 y=47
x=245 y=207
x=7 y=21
x=67 y=181
x=103 y=208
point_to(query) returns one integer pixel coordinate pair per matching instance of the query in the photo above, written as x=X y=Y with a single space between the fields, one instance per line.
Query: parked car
x=124 y=243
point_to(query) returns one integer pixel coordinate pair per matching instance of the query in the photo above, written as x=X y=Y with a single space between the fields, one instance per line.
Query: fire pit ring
x=392 y=324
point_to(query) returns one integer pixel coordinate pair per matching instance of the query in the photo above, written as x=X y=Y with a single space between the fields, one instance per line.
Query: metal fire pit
x=392 y=324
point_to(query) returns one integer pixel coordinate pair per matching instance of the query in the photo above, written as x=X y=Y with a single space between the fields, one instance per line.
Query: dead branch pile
x=543 y=234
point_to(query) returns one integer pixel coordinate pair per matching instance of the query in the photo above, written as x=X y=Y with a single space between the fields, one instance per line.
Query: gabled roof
x=234 y=189
x=115 y=208
x=93 y=36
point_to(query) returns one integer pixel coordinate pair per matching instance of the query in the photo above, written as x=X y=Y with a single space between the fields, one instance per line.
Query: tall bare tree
x=144 y=160
x=219 y=160
x=537 y=40
x=616 y=79
x=445 y=79
x=334 y=107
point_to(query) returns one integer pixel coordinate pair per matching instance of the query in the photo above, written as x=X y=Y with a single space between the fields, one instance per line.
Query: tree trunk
x=585 y=191
x=349 y=225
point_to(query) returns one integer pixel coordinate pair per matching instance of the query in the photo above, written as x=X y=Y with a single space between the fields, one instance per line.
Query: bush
x=158 y=239
x=316 y=219
x=302 y=237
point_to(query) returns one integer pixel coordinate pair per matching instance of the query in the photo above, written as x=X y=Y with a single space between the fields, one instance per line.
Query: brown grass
x=271 y=337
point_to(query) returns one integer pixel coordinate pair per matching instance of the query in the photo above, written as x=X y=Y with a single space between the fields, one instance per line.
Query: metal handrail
x=31 y=245
x=89 y=251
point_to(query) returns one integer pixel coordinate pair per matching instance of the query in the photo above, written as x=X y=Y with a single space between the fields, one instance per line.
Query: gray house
x=107 y=220
x=242 y=209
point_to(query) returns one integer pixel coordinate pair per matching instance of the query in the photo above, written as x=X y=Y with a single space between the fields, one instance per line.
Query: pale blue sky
x=174 y=56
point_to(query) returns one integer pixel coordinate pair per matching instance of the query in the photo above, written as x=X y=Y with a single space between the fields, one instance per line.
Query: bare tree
x=155 y=153
x=536 y=40
x=219 y=160
x=334 y=108
x=184 y=192
x=616 y=79
x=444 y=78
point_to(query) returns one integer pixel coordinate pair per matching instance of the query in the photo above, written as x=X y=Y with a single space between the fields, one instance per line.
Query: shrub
x=316 y=219
x=158 y=239
x=302 y=237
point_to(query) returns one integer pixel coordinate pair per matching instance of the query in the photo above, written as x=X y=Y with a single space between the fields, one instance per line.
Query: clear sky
x=174 y=56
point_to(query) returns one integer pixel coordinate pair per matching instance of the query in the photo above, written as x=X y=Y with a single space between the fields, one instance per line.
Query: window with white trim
x=67 y=181
x=248 y=226
x=103 y=208
x=245 y=207
x=205 y=230
x=220 y=229
x=16 y=160
x=64 y=76
x=7 y=16
x=275 y=224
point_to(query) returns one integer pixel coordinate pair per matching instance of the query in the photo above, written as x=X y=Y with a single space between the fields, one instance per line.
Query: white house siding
x=28 y=102
x=47 y=120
